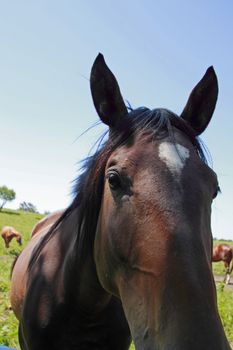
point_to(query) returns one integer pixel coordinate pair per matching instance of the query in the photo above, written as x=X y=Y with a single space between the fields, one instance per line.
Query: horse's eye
x=114 y=180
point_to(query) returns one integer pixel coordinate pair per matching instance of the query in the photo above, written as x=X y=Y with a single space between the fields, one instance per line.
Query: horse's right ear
x=106 y=93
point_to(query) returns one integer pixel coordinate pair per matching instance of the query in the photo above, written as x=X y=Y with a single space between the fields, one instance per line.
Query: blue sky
x=157 y=49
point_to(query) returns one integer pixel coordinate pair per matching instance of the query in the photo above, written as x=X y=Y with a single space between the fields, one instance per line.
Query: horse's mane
x=89 y=185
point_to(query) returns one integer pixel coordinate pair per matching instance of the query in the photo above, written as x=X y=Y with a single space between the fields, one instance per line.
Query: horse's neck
x=69 y=298
x=80 y=277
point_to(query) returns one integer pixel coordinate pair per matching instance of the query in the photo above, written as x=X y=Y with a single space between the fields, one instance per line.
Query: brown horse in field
x=8 y=233
x=130 y=258
x=223 y=252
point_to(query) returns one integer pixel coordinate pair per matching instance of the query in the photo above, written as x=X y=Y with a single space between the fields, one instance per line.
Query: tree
x=27 y=206
x=6 y=195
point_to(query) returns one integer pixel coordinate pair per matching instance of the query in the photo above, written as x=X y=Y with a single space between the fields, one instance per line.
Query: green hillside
x=20 y=220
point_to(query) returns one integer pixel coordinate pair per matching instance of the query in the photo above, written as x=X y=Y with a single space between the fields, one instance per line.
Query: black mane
x=88 y=188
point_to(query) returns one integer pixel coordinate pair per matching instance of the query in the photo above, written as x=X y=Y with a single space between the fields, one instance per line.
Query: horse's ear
x=201 y=103
x=106 y=93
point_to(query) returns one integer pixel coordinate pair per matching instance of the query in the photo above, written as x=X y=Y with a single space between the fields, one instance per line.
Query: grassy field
x=24 y=222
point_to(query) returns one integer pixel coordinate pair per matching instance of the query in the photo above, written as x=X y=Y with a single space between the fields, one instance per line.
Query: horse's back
x=222 y=252
x=6 y=230
x=19 y=276
x=46 y=222
x=20 y=268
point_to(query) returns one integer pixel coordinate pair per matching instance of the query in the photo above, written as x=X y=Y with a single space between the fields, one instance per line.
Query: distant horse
x=8 y=233
x=131 y=256
x=223 y=252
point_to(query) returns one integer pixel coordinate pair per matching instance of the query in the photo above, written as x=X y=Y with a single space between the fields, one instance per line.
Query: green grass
x=219 y=268
x=225 y=306
x=24 y=222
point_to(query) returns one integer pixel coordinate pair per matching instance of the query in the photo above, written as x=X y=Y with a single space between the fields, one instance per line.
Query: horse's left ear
x=106 y=93
x=201 y=103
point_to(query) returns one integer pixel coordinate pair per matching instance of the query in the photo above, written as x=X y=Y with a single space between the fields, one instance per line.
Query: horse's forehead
x=172 y=154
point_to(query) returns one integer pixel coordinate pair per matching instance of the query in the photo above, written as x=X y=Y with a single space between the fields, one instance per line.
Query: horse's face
x=156 y=205
x=153 y=242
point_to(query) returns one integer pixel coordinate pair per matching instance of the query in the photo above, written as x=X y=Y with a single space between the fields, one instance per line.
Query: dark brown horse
x=131 y=256
x=8 y=233
x=223 y=252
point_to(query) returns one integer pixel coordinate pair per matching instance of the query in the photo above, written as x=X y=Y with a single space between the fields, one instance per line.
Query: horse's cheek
x=114 y=241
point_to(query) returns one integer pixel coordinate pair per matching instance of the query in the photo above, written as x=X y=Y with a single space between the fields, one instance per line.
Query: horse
x=130 y=258
x=223 y=252
x=8 y=233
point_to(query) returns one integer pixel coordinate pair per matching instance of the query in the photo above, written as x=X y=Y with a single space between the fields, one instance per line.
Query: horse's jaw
x=171 y=319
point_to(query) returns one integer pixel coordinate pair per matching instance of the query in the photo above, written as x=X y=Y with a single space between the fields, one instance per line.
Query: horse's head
x=19 y=239
x=153 y=242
